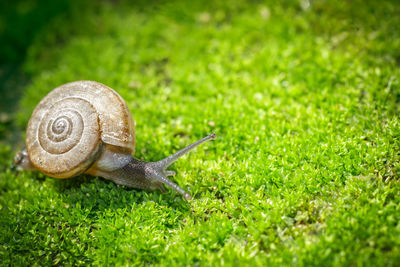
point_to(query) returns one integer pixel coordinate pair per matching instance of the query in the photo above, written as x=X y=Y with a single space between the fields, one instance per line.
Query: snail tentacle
x=159 y=168
x=168 y=161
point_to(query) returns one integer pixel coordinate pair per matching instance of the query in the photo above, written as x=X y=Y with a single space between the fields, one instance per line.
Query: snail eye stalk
x=165 y=163
x=158 y=170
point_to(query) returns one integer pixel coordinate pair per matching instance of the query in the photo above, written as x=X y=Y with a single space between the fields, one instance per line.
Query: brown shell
x=68 y=127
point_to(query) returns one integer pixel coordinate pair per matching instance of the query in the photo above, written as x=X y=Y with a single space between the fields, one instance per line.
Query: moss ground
x=303 y=95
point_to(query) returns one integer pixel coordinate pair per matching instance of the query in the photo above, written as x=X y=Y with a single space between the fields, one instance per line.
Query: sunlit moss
x=304 y=97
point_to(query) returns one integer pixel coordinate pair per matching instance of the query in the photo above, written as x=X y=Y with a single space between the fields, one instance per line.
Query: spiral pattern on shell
x=68 y=138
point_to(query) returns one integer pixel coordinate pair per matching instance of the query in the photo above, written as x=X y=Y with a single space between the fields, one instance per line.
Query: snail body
x=86 y=127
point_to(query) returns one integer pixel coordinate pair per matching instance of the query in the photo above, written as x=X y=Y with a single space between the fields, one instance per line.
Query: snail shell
x=69 y=127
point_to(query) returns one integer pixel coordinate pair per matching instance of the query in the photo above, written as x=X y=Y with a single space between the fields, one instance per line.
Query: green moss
x=304 y=97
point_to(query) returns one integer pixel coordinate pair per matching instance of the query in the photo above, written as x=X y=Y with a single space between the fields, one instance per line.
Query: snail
x=86 y=127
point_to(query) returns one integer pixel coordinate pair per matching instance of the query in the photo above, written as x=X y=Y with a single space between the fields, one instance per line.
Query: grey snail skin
x=86 y=127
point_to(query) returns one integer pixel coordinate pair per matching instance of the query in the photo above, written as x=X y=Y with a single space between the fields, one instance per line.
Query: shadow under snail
x=86 y=127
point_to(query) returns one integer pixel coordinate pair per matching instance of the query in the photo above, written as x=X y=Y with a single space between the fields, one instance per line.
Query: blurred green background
x=303 y=95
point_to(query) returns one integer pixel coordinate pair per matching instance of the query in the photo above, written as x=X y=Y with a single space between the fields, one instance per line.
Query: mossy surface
x=304 y=97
